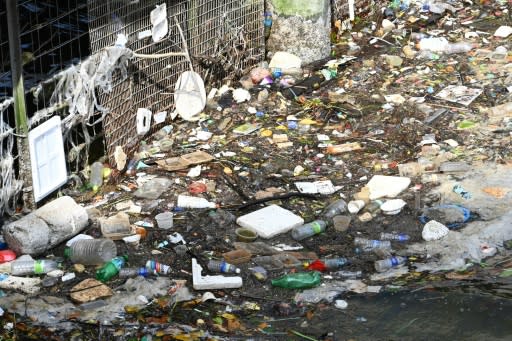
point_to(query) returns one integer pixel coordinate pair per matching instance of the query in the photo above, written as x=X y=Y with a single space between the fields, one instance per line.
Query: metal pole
x=20 y=110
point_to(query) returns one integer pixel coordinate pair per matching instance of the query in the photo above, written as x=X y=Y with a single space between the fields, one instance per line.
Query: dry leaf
x=497 y=192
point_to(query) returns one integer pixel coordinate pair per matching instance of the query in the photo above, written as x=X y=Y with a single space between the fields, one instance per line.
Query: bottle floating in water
x=110 y=269
x=335 y=208
x=157 y=268
x=328 y=264
x=401 y=237
x=308 y=230
x=298 y=280
x=31 y=267
x=91 y=251
x=133 y=272
x=222 y=266
x=370 y=244
x=392 y=262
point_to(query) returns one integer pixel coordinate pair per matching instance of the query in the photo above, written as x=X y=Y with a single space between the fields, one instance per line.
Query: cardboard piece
x=185 y=161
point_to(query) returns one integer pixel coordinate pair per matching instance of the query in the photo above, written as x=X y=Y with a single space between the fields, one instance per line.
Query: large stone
x=46 y=227
x=301 y=27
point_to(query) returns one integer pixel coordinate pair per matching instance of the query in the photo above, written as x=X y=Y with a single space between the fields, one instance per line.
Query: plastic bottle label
x=394 y=261
x=317 y=228
x=38 y=267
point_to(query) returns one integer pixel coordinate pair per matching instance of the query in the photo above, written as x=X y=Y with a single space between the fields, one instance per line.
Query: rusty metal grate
x=223 y=36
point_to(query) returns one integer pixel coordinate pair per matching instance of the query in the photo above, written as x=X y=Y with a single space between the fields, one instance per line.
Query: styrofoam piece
x=270 y=221
x=47 y=157
x=392 y=207
x=158 y=18
x=143 y=120
x=25 y=284
x=189 y=95
x=434 y=230
x=387 y=186
x=200 y=282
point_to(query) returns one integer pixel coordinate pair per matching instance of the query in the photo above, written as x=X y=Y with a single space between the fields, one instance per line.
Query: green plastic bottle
x=110 y=269
x=298 y=280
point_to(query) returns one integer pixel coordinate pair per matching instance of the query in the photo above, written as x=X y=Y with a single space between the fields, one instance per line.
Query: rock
x=387 y=26
x=409 y=52
x=263 y=95
x=434 y=230
x=393 y=61
x=286 y=62
x=89 y=290
x=46 y=227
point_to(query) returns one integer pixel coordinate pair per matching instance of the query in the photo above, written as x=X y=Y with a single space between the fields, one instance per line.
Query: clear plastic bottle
x=163 y=132
x=96 y=176
x=335 y=208
x=222 y=266
x=31 y=267
x=370 y=244
x=91 y=251
x=386 y=264
x=133 y=272
x=157 y=268
x=401 y=237
x=308 y=230
x=328 y=264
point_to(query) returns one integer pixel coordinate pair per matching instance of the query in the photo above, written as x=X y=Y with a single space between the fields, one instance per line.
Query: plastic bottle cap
x=237 y=270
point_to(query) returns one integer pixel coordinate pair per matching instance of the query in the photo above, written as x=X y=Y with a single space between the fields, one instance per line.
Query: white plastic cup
x=355 y=206
x=165 y=220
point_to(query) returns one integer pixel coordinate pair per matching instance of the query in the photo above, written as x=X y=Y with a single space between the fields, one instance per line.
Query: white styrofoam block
x=270 y=221
x=200 y=282
x=387 y=186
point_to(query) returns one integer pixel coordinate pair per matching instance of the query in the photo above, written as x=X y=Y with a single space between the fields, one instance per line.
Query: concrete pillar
x=300 y=27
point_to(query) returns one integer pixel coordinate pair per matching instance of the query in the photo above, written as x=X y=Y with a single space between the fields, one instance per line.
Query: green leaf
x=506 y=273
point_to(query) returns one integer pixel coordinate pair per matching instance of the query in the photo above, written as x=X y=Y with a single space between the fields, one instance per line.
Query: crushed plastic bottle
x=401 y=237
x=222 y=267
x=386 y=264
x=133 y=272
x=370 y=244
x=442 y=45
x=298 y=280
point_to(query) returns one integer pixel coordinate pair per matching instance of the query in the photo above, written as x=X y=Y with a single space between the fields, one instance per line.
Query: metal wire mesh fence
x=53 y=35
x=223 y=36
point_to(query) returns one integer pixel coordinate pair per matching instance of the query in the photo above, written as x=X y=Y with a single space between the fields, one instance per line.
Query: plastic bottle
x=163 y=132
x=386 y=264
x=30 y=267
x=298 y=280
x=335 y=208
x=370 y=244
x=110 y=269
x=91 y=251
x=308 y=230
x=222 y=266
x=186 y=201
x=157 y=268
x=401 y=237
x=441 y=44
x=328 y=264
x=133 y=272
x=348 y=274
x=7 y=256
x=96 y=176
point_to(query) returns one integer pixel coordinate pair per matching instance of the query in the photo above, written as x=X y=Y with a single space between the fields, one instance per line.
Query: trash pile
x=296 y=186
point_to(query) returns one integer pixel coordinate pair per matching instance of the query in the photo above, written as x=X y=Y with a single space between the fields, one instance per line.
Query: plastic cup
x=164 y=220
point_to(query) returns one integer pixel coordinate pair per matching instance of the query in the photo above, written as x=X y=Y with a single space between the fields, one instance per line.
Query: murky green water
x=421 y=315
